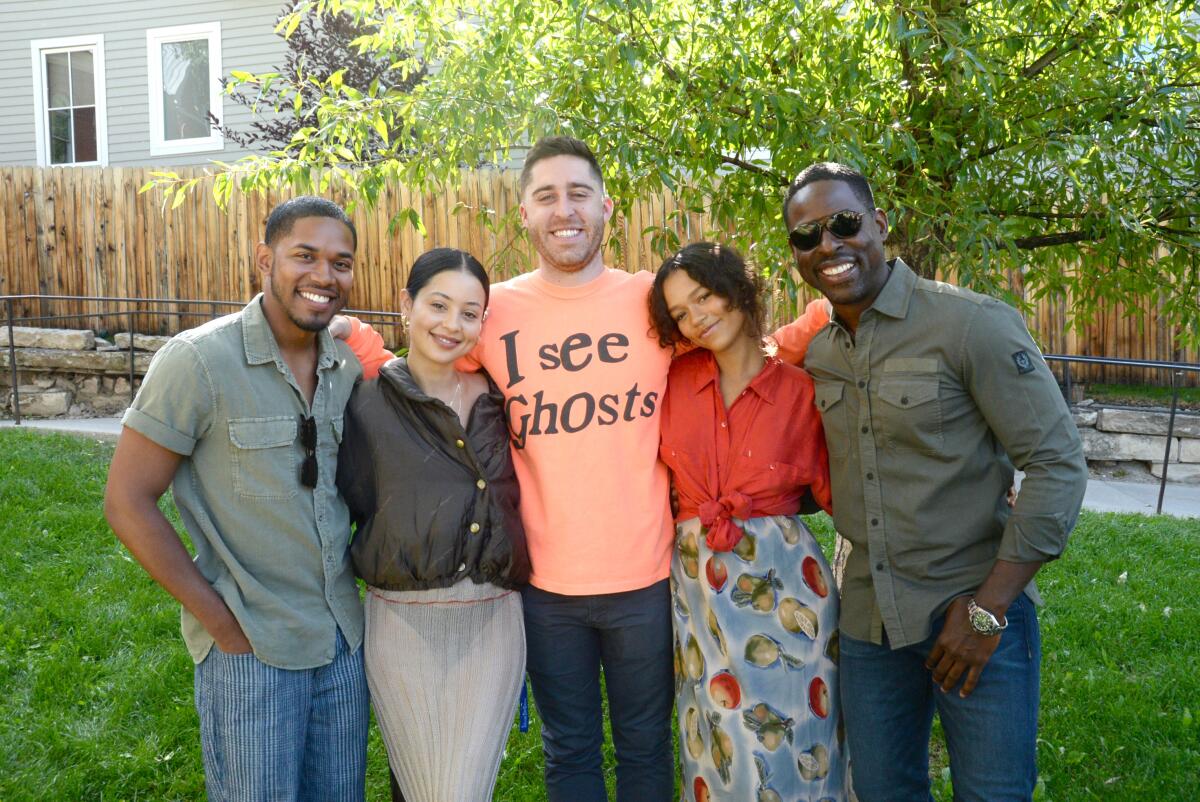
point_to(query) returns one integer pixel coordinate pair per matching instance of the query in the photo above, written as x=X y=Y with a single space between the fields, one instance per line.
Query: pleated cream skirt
x=445 y=668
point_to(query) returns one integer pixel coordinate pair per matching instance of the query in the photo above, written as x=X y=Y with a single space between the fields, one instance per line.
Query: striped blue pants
x=277 y=735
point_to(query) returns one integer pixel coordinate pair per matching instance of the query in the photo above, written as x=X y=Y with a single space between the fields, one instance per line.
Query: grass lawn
x=1143 y=395
x=96 y=689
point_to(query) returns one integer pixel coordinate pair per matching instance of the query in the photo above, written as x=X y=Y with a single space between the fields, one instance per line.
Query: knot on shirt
x=717 y=515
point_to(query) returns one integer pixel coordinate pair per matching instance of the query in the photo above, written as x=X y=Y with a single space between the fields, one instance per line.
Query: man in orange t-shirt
x=570 y=346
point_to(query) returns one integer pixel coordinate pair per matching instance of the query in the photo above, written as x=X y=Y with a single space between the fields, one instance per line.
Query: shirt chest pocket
x=828 y=399
x=264 y=457
x=910 y=413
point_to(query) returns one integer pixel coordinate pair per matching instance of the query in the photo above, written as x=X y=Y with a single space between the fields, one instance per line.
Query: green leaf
x=291 y=24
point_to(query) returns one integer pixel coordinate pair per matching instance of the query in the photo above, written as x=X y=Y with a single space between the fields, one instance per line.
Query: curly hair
x=718 y=268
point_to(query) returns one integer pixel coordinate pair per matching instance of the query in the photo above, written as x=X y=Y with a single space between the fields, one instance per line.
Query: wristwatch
x=983 y=622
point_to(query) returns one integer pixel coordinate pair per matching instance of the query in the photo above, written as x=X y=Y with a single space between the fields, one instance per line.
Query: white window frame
x=155 y=39
x=38 y=49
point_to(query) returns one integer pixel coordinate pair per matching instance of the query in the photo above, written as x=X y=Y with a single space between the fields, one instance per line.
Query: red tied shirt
x=757 y=458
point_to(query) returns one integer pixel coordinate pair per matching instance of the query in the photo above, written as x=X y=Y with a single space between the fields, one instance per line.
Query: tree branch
x=1071 y=237
x=1038 y=215
x=1054 y=53
x=1050 y=240
x=1044 y=62
x=734 y=161
x=1185 y=232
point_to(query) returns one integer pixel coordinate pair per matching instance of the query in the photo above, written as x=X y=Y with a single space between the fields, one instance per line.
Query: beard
x=569 y=259
x=311 y=324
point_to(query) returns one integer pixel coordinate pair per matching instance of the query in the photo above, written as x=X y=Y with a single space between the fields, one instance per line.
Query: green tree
x=1050 y=142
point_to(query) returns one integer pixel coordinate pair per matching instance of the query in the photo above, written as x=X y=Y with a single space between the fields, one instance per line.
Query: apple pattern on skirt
x=756 y=666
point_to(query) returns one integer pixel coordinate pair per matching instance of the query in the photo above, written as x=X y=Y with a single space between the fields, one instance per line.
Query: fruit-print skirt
x=756 y=666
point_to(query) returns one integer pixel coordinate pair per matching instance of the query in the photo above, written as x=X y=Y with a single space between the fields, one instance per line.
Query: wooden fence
x=87 y=231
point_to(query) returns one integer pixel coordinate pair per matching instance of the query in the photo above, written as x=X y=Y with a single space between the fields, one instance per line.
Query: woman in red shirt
x=755 y=608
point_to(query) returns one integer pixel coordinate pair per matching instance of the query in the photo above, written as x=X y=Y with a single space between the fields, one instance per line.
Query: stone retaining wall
x=1135 y=435
x=75 y=373
x=72 y=373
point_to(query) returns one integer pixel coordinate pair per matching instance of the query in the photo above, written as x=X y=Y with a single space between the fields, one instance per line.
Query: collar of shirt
x=895 y=295
x=398 y=374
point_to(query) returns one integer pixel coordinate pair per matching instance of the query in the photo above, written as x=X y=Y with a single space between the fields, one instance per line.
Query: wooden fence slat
x=8 y=227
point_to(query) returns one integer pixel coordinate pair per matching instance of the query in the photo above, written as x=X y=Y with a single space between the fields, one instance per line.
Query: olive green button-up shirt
x=927 y=407
x=275 y=550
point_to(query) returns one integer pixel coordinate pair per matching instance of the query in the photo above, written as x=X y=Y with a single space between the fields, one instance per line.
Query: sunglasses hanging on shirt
x=308 y=439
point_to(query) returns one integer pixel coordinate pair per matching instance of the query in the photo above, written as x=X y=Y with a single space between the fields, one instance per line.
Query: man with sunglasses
x=929 y=395
x=244 y=415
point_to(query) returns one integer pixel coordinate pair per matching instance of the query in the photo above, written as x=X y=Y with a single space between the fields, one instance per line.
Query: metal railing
x=1175 y=371
x=130 y=309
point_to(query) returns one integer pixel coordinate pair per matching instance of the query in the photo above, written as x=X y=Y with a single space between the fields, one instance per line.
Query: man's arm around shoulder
x=792 y=339
x=140 y=473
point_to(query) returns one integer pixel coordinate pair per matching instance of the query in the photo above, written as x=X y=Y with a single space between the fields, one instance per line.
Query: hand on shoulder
x=339 y=327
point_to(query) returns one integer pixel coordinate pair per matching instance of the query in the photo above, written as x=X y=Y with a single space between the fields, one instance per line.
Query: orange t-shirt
x=583 y=380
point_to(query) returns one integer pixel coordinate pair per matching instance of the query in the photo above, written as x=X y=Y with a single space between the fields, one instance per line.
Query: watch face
x=983 y=623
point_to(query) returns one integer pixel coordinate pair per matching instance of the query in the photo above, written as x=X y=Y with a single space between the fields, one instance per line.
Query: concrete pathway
x=100 y=428
x=1108 y=495
x=1103 y=495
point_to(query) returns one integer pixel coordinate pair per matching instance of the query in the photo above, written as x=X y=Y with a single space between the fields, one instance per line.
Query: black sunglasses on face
x=843 y=225
x=308 y=439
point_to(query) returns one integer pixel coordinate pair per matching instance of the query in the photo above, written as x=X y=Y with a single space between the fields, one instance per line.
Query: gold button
x=460 y=443
x=481 y=484
x=474 y=529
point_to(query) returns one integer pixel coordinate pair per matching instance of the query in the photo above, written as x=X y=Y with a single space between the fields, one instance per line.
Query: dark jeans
x=888 y=699
x=569 y=638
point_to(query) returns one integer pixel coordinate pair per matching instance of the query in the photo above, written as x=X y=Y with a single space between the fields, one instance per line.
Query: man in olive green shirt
x=930 y=395
x=244 y=416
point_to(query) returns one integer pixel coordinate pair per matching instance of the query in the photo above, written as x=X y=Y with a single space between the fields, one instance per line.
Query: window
x=68 y=96
x=185 y=87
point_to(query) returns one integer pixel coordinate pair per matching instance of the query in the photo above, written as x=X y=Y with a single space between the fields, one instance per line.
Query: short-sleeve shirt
x=927 y=407
x=273 y=549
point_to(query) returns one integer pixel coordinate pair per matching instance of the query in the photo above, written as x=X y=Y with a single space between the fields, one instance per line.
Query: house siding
x=248 y=42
